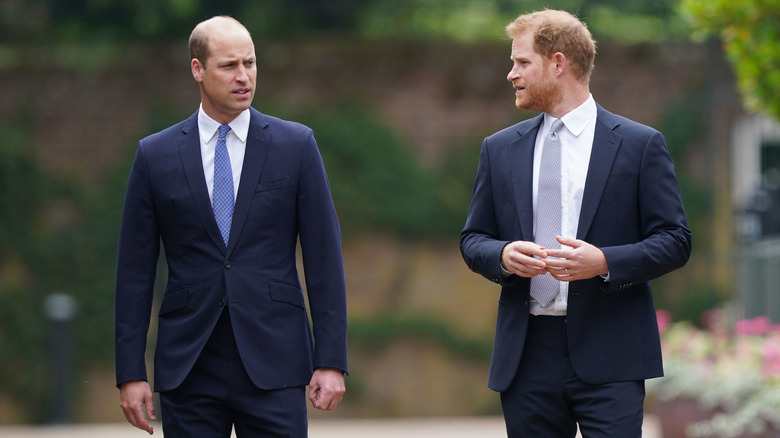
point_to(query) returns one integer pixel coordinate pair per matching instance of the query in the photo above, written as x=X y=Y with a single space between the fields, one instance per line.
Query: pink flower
x=758 y=326
x=664 y=320
x=771 y=363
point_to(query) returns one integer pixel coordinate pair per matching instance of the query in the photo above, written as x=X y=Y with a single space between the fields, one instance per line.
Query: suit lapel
x=256 y=148
x=521 y=163
x=605 y=146
x=189 y=150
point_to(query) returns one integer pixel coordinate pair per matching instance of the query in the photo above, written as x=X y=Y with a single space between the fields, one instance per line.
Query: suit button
x=221 y=303
x=228 y=265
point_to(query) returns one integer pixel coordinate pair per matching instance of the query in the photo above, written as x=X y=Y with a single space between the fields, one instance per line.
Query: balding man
x=230 y=193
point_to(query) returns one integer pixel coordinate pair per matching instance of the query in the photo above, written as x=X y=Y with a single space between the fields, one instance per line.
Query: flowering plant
x=731 y=369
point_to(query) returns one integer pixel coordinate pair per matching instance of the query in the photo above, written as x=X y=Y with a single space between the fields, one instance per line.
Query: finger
x=519 y=259
x=528 y=249
x=326 y=403
x=558 y=270
x=314 y=395
x=569 y=241
x=525 y=270
x=150 y=412
x=136 y=417
x=329 y=399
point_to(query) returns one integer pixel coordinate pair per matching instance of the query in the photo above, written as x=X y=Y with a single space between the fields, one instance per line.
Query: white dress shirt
x=235 y=142
x=576 y=145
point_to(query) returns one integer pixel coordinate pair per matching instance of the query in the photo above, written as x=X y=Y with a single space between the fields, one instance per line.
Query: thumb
x=313 y=392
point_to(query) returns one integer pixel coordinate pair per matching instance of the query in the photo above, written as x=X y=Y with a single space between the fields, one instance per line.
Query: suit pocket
x=622 y=178
x=286 y=293
x=265 y=186
x=175 y=299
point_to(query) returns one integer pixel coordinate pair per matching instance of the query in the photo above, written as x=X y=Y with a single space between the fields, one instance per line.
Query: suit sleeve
x=320 y=238
x=480 y=244
x=137 y=258
x=664 y=243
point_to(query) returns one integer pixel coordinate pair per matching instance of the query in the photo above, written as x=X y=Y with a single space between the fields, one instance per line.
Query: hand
x=524 y=259
x=135 y=397
x=326 y=388
x=578 y=262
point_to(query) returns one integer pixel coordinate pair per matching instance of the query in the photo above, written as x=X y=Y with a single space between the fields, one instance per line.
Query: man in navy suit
x=234 y=346
x=576 y=333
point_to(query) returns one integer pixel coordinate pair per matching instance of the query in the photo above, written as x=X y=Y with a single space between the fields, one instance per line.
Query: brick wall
x=435 y=95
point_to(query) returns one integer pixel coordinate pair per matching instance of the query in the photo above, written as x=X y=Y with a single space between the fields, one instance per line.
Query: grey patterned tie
x=544 y=288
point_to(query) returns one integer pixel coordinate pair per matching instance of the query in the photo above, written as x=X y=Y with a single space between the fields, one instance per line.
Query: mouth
x=519 y=89
x=242 y=92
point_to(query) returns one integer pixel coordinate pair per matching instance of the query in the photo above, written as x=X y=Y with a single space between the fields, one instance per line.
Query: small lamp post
x=60 y=309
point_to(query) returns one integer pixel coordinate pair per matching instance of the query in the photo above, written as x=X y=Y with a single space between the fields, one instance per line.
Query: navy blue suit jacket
x=283 y=196
x=631 y=210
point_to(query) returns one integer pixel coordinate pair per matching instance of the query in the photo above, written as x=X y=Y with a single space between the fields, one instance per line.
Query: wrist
x=501 y=259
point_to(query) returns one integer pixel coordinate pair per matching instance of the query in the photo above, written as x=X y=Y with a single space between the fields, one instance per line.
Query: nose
x=513 y=74
x=242 y=75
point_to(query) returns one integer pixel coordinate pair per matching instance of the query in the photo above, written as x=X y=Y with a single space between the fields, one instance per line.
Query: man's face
x=227 y=80
x=533 y=77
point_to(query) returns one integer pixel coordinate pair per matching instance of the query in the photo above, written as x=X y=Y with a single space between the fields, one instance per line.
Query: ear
x=561 y=63
x=197 y=69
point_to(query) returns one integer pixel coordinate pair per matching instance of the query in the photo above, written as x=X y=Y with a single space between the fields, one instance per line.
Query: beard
x=540 y=96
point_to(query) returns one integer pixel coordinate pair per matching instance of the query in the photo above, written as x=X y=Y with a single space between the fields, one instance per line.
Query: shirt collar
x=577 y=119
x=208 y=127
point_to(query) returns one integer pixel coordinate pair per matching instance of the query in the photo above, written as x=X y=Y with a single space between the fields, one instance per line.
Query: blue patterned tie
x=222 y=198
x=544 y=288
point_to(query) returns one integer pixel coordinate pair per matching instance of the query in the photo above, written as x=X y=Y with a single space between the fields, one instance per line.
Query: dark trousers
x=218 y=395
x=547 y=399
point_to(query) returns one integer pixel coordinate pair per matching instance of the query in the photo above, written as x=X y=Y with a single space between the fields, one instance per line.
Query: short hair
x=199 y=38
x=558 y=31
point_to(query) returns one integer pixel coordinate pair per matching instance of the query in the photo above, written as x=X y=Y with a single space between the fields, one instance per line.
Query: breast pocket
x=275 y=184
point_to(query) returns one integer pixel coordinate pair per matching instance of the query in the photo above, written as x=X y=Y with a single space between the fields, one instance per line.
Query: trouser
x=548 y=399
x=218 y=395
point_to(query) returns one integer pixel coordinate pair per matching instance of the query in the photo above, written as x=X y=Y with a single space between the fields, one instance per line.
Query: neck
x=571 y=98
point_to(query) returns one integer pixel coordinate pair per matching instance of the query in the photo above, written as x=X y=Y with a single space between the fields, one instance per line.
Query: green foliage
x=131 y=20
x=55 y=238
x=376 y=183
x=473 y=20
x=750 y=30
x=455 y=183
x=682 y=125
x=23 y=193
x=456 y=20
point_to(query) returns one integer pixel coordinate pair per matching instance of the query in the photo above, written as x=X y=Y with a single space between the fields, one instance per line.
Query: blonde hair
x=558 y=31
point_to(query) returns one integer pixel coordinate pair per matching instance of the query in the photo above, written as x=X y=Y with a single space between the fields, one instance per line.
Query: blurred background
x=400 y=94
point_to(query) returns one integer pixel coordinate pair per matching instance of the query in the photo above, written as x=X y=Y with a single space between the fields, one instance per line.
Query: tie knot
x=556 y=126
x=223 y=130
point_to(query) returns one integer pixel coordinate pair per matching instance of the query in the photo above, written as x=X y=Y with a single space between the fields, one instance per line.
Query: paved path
x=456 y=427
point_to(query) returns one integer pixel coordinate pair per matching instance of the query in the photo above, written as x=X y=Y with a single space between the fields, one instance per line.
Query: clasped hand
x=576 y=260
